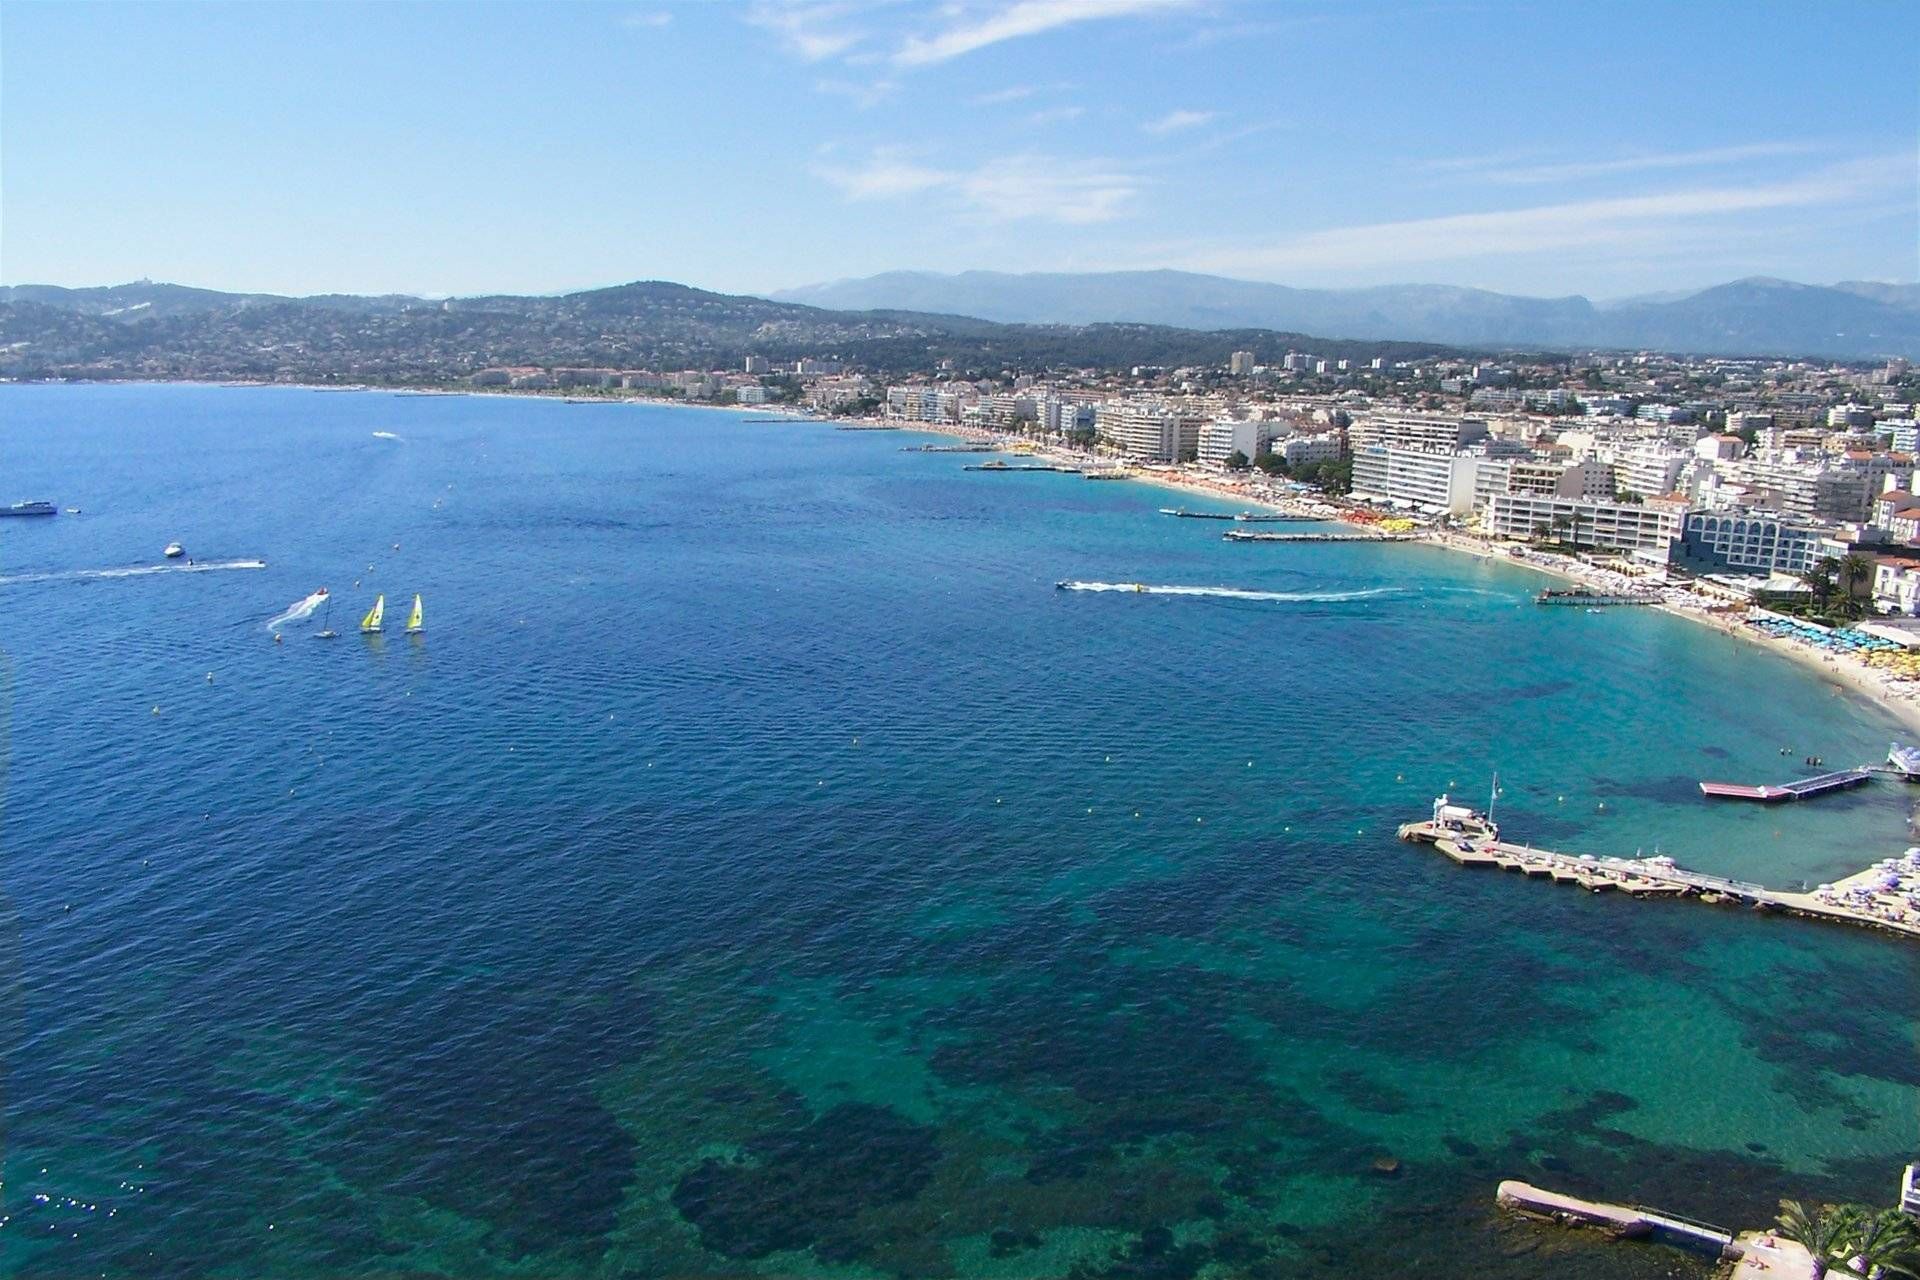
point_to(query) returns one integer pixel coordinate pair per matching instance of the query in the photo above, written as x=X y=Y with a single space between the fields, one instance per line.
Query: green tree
x=1274 y=464
x=1887 y=1240
x=1236 y=461
x=1819 y=579
x=1825 y=1229
x=1855 y=569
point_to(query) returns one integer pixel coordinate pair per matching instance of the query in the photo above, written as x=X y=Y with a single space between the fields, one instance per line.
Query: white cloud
x=864 y=94
x=656 y=19
x=1175 y=121
x=1012 y=189
x=1014 y=21
x=1000 y=97
x=1515 y=170
x=1637 y=221
x=1078 y=193
x=814 y=31
x=1056 y=115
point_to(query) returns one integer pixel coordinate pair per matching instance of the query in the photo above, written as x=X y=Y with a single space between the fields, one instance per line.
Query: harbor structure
x=1885 y=896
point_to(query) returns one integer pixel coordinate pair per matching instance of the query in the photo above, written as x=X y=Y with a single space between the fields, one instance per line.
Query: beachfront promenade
x=1885 y=896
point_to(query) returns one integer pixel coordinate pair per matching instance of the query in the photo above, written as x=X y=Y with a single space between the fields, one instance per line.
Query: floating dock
x=1470 y=840
x=1802 y=789
x=1249 y=535
x=1019 y=466
x=982 y=447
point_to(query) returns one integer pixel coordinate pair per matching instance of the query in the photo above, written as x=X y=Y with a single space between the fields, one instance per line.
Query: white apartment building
x=1896 y=585
x=1608 y=526
x=924 y=404
x=1149 y=432
x=1006 y=412
x=1221 y=438
x=1649 y=470
x=1418 y=431
x=1297 y=451
x=1804 y=490
x=1590 y=479
x=1424 y=479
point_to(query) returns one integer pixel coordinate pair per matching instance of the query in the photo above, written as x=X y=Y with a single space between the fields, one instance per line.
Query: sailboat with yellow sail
x=415 y=624
x=370 y=625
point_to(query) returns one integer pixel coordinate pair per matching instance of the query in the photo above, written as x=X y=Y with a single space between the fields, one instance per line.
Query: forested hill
x=171 y=331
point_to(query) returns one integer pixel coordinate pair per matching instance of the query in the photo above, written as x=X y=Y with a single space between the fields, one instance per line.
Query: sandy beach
x=1849 y=676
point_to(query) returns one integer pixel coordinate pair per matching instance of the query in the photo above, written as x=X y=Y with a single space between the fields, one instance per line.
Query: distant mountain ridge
x=1755 y=316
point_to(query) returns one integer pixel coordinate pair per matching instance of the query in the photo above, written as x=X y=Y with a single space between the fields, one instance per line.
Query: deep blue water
x=758 y=866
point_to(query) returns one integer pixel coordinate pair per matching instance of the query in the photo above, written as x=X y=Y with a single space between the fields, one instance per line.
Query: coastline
x=1848 y=676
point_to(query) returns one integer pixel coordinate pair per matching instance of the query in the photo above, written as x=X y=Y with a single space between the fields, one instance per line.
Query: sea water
x=759 y=866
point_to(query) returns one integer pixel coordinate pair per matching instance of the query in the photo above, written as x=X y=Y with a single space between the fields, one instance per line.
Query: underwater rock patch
x=802 y=1187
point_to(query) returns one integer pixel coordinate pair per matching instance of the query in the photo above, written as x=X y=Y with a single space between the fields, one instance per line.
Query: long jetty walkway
x=1243 y=517
x=1625 y=1220
x=1250 y=535
x=1865 y=898
x=1818 y=785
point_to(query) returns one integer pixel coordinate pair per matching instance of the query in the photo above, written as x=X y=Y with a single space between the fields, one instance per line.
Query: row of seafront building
x=1752 y=471
x=1748 y=491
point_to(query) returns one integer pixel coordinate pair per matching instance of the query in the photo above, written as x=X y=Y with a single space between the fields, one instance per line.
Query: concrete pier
x=1655 y=877
x=1249 y=535
x=1636 y=1222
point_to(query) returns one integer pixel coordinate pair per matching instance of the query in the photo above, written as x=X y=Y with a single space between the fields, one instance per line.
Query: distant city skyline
x=447 y=149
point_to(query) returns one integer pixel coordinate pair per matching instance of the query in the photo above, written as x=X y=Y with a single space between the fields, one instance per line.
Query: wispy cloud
x=888 y=173
x=1056 y=115
x=1511 y=169
x=655 y=19
x=1000 y=97
x=864 y=94
x=1637 y=221
x=1030 y=186
x=1175 y=121
x=972 y=32
x=813 y=31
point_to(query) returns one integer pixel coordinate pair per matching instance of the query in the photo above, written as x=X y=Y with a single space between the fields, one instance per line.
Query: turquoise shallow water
x=759 y=867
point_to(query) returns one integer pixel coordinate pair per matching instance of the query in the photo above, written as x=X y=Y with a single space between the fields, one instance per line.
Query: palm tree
x=1825 y=1230
x=1887 y=1241
x=1854 y=569
x=1820 y=578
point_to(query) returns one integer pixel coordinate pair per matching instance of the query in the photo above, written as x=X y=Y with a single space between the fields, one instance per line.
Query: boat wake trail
x=132 y=571
x=1233 y=593
x=385 y=435
x=301 y=610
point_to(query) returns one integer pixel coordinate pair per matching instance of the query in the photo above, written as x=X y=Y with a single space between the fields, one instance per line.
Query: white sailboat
x=415 y=625
x=370 y=625
x=326 y=631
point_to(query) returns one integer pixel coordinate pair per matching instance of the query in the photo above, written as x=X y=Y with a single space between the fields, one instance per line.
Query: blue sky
x=1543 y=148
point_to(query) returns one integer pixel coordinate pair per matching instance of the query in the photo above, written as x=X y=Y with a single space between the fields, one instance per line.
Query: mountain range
x=146 y=329
x=1756 y=316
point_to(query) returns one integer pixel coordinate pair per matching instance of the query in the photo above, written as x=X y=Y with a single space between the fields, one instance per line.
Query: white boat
x=415 y=622
x=326 y=631
x=174 y=551
x=370 y=625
